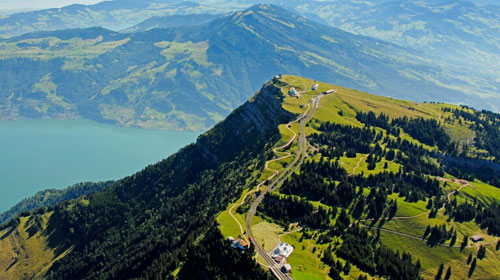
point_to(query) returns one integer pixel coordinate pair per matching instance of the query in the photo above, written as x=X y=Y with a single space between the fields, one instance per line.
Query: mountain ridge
x=191 y=77
x=153 y=222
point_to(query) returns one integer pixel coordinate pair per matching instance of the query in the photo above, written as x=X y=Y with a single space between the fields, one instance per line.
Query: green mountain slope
x=460 y=35
x=159 y=213
x=377 y=195
x=172 y=21
x=368 y=162
x=191 y=77
x=50 y=197
x=115 y=15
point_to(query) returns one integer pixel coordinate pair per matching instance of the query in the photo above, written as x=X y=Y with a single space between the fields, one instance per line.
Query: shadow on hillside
x=57 y=239
x=35 y=225
x=14 y=261
x=7 y=233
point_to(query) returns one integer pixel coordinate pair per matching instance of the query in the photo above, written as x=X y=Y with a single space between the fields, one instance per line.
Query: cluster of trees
x=214 y=258
x=316 y=181
x=439 y=274
x=51 y=197
x=336 y=267
x=463 y=212
x=381 y=121
x=486 y=127
x=412 y=186
x=312 y=184
x=341 y=140
x=413 y=157
x=363 y=250
x=427 y=131
x=284 y=209
x=145 y=226
x=486 y=216
x=328 y=182
x=439 y=235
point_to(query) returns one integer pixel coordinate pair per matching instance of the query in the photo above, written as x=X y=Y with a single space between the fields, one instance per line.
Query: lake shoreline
x=43 y=154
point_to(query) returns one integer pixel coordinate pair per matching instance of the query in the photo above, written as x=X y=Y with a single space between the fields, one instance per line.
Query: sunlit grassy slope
x=342 y=108
x=27 y=250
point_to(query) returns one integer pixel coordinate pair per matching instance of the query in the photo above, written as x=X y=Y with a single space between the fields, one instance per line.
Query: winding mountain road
x=277 y=178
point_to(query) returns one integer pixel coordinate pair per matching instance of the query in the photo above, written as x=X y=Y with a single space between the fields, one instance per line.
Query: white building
x=330 y=91
x=283 y=249
x=292 y=91
x=315 y=87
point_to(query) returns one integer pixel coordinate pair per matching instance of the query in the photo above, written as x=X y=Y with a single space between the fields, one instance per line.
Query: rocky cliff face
x=249 y=127
x=159 y=211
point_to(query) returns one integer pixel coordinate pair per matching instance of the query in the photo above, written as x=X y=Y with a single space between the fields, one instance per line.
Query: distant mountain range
x=191 y=77
x=114 y=15
x=378 y=160
x=462 y=35
x=172 y=21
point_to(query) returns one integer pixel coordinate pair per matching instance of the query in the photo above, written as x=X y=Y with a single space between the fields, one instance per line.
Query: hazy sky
x=40 y=4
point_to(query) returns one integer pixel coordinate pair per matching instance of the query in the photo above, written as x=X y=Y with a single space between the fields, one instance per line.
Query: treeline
x=412 y=186
x=363 y=250
x=426 y=131
x=52 y=197
x=342 y=139
x=312 y=184
x=486 y=216
x=436 y=235
x=381 y=121
x=289 y=208
x=145 y=225
x=338 y=140
x=328 y=182
x=486 y=126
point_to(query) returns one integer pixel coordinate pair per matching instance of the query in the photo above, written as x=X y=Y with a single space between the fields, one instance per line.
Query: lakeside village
x=279 y=253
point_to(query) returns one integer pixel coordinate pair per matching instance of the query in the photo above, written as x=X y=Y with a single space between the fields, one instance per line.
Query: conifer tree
x=464 y=243
x=481 y=253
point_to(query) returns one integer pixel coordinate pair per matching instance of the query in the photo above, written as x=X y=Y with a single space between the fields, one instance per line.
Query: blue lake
x=41 y=154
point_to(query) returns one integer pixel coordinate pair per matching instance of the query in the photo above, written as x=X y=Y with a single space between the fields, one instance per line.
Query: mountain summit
x=191 y=77
x=355 y=175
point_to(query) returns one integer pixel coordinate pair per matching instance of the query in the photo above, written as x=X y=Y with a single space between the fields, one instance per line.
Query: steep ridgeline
x=386 y=190
x=147 y=224
x=115 y=15
x=461 y=35
x=172 y=21
x=391 y=189
x=193 y=76
x=50 y=197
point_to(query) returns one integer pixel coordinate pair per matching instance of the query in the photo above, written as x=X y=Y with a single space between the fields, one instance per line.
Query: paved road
x=280 y=178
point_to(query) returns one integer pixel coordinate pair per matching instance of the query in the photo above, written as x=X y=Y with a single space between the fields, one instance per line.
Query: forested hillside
x=387 y=190
x=52 y=197
x=115 y=15
x=147 y=224
x=375 y=191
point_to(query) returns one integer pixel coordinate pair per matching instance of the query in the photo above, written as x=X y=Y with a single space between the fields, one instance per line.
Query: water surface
x=40 y=154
